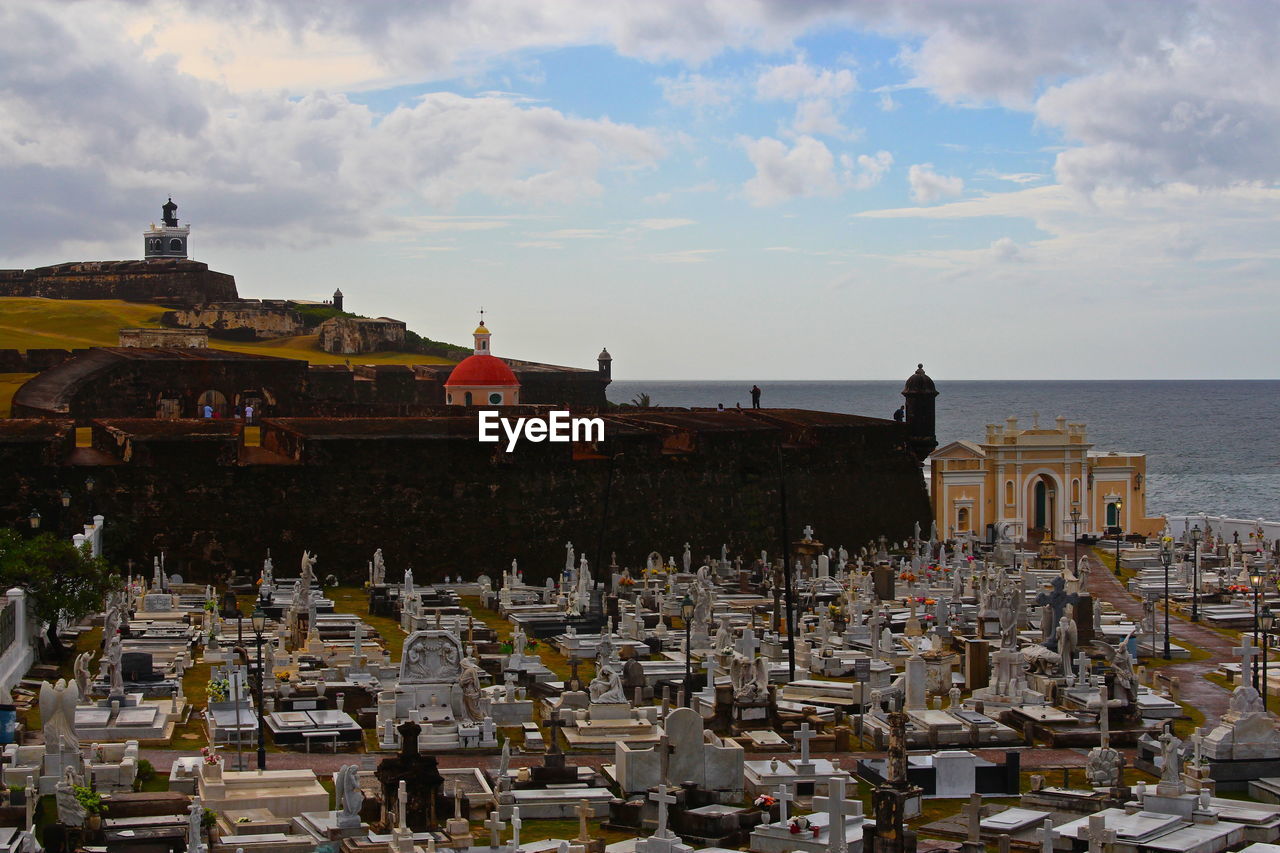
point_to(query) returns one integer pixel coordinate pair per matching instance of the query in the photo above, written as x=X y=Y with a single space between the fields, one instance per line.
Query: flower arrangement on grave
x=1239 y=588
x=209 y=606
x=218 y=689
x=626 y=580
x=208 y=819
x=797 y=824
x=282 y=675
x=208 y=755
x=907 y=576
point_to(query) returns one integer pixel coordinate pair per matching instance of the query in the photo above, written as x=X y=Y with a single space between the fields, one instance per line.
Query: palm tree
x=642 y=401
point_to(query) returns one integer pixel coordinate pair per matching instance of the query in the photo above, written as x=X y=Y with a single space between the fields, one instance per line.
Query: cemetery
x=917 y=695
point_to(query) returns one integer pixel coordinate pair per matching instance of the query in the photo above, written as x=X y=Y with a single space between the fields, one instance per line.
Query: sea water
x=1212 y=446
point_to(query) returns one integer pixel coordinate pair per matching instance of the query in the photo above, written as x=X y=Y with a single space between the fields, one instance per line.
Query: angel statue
x=724 y=636
x=606 y=688
x=81 y=670
x=70 y=811
x=350 y=797
x=1126 y=682
x=750 y=678
x=58 y=716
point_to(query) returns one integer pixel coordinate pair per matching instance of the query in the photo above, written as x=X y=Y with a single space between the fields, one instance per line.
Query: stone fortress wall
x=164 y=281
x=428 y=493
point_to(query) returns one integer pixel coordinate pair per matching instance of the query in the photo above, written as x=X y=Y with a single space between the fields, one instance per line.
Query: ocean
x=1212 y=446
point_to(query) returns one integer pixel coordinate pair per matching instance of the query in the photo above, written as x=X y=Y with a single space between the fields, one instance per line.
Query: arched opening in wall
x=211 y=404
x=1043 y=506
x=175 y=245
x=962 y=520
x=1008 y=492
x=1075 y=492
x=466 y=399
x=1113 y=514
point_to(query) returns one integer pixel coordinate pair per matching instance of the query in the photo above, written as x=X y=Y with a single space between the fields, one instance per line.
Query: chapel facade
x=1020 y=483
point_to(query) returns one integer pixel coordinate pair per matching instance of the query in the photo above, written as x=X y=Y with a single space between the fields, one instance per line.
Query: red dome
x=487 y=370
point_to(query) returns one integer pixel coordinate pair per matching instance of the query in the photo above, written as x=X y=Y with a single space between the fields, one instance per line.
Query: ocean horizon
x=1212 y=445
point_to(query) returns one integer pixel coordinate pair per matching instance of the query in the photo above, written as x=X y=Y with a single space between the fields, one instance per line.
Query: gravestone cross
x=1047 y=834
x=584 y=812
x=1247 y=652
x=804 y=734
x=555 y=724
x=835 y=810
x=784 y=798
x=1098 y=834
x=516 y=823
x=748 y=644
x=495 y=826
x=973 y=812
x=663 y=799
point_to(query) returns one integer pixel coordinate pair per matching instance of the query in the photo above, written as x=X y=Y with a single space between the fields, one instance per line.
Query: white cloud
x=98 y=132
x=801 y=81
x=696 y=92
x=928 y=186
x=782 y=173
x=869 y=169
x=683 y=256
x=662 y=224
x=1005 y=249
x=820 y=94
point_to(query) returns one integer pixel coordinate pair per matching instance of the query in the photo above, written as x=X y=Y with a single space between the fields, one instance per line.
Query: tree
x=642 y=401
x=62 y=582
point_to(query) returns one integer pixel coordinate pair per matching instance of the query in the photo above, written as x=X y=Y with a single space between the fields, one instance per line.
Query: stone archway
x=216 y=400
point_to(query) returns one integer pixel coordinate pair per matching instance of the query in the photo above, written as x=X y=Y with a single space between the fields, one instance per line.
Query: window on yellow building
x=962 y=520
x=1008 y=492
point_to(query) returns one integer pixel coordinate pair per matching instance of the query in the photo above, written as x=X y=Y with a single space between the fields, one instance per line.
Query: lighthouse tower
x=167 y=240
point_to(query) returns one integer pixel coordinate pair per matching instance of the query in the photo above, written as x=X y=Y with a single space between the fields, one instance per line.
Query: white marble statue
x=606 y=688
x=70 y=812
x=58 y=716
x=350 y=797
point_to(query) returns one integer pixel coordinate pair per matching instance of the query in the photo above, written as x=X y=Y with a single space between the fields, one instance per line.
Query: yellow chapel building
x=1025 y=481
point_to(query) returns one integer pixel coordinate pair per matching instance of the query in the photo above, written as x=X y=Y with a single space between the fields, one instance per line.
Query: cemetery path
x=1210 y=699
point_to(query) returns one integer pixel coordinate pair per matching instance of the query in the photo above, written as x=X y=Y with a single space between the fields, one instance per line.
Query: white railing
x=1224 y=528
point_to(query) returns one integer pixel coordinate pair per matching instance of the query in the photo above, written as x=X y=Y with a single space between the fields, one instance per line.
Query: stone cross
x=1247 y=652
x=748 y=644
x=973 y=812
x=584 y=812
x=457 y=800
x=1098 y=835
x=663 y=799
x=495 y=827
x=402 y=812
x=808 y=532
x=804 y=734
x=516 y=823
x=835 y=809
x=784 y=798
x=1047 y=834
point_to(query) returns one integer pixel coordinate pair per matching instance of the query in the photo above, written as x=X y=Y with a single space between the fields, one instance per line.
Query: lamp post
x=686 y=613
x=1119 y=530
x=1166 y=557
x=1267 y=620
x=1255 y=580
x=65 y=499
x=34 y=519
x=1196 y=533
x=259 y=622
x=89 y=483
x=1075 y=535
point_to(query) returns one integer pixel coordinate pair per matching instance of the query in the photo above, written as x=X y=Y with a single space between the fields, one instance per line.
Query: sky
x=713 y=189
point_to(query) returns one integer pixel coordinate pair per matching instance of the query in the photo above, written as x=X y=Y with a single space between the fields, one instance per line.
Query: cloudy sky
x=711 y=188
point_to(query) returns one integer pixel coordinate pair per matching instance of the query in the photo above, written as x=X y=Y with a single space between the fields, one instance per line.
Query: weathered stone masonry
x=430 y=495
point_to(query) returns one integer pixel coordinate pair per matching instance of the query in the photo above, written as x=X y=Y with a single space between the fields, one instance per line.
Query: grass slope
x=31 y=323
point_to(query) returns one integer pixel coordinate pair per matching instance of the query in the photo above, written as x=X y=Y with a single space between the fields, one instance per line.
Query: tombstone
x=138 y=666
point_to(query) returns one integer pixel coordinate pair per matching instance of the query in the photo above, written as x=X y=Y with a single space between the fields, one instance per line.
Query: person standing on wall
x=755 y=396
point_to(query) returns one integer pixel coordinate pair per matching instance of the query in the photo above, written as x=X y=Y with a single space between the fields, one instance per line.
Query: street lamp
x=686 y=613
x=1267 y=620
x=1166 y=557
x=1119 y=530
x=1075 y=536
x=89 y=483
x=1196 y=533
x=259 y=622
x=1255 y=579
x=34 y=519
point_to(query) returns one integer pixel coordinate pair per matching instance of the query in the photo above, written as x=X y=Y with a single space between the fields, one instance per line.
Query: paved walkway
x=1210 y=699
